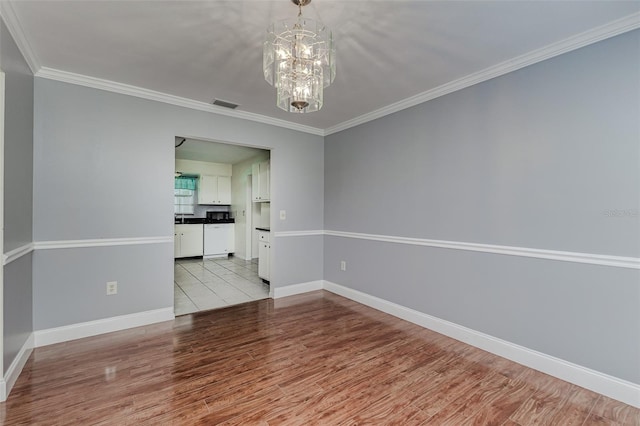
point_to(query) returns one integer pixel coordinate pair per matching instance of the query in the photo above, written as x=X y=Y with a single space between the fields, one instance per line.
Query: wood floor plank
x=539 y=408
x=481 y=394
x=615 y=411
x=577 y=408
x=315 y=358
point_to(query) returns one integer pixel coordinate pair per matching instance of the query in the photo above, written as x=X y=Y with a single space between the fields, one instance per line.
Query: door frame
x=2 y=94
x=248 y=217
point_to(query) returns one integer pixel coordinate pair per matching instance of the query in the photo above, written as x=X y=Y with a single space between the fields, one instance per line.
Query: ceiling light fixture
x=299 y=60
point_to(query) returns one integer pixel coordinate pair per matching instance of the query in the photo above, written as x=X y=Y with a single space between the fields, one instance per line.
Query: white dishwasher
x=219 y=239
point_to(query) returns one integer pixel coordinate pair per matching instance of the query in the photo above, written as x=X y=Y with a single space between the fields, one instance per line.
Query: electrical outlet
x=343 y=265
x=112 y=288
x=283 y=214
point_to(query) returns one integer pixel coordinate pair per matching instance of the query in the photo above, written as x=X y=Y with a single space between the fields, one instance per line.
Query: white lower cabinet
x=187 y=241
x=264 y=255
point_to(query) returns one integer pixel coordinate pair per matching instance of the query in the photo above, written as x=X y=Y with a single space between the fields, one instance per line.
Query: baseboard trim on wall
x=14 y=370
x=107 y=325
x=100 y=242
x=242 y=257
x=564 y=256
x=610 y=386
x=291 y=290
x=17 y=253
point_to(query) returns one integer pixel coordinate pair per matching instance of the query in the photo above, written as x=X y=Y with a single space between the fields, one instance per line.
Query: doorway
x=205 y=280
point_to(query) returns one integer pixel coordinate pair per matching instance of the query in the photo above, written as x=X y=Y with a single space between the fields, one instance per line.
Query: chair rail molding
x=100 y=242
x=564 y=256
x=17 y=253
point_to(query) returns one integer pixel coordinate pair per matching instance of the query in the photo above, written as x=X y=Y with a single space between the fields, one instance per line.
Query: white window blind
x=183 y=201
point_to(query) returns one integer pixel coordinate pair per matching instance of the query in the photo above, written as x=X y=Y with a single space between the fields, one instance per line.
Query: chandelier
x=299 y=60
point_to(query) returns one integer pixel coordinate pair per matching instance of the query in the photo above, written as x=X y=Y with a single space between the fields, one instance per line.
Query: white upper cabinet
x=224 y=189
x=214 y=190
x=261 y=181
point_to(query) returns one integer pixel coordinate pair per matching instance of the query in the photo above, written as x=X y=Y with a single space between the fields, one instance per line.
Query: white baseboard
x=101 y=326
x=215 y=256
x=14 y=370
x=604 y=384
x=290 y=290
x=610 y=386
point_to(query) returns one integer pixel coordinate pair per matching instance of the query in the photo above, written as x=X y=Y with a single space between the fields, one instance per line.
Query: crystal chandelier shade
x=299 y=60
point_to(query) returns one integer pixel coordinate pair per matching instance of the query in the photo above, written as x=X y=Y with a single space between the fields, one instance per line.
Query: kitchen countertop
x=263 y=229
x=201 y=220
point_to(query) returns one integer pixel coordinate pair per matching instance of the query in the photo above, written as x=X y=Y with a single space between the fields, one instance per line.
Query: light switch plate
x=283 y=214
x=112 y=288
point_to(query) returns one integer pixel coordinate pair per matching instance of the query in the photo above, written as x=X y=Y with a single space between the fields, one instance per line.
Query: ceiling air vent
x=224 y=104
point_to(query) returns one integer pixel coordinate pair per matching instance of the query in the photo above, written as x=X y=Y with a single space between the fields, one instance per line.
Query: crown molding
x=139 y=92
x=8 y=14
x=574 y=42
x=569 y=44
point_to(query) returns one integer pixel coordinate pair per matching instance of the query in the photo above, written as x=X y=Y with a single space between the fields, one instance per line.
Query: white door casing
x=2 y=397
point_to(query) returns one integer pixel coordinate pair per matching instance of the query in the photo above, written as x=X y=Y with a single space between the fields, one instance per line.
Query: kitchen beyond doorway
x=204 y=284
x=248 y=171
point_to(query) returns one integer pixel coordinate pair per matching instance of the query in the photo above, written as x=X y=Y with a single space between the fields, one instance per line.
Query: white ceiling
x=387 y=51
x=213 y=152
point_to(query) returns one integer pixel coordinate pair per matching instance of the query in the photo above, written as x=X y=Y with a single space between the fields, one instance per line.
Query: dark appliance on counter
x=218 y=216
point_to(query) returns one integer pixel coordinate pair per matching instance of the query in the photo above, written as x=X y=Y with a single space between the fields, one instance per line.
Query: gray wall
x=17 y=307
x=18 y=195
x=96 y=152
x=18 y=144
x=70 y=284
x=534 y=159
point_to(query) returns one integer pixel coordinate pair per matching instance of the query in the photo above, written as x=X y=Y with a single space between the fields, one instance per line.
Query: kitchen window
x=184 y=195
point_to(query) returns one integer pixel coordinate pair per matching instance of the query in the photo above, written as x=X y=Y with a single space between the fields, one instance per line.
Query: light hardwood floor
x=316 y=359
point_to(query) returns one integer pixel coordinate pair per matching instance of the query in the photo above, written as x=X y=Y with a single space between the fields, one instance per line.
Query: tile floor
x=200 y=285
